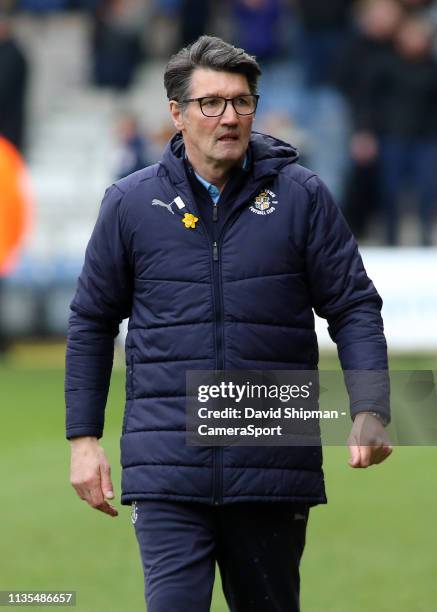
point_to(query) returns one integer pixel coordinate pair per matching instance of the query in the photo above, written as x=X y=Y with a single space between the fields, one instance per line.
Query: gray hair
x=208 y=52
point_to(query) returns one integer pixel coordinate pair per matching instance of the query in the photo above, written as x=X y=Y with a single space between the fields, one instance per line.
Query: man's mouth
x=228 y=138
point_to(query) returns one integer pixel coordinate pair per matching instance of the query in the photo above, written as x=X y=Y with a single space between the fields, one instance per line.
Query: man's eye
x=211 y=102
x=242 y=102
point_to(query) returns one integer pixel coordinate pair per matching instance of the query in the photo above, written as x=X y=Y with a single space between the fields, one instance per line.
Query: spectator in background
x=257 y=24
x=13 y=82
x=194 y=17
x=324 y=27
x=321 y=29
x=401 y=102
x=14 y=217
x=263 y=27
x=427 y=10
x=116 y=42
x=133 y=149
x=257 y=28
x=377 y=22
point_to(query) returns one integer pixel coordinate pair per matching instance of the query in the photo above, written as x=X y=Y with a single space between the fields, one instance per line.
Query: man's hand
x=368 y=441
x=90 y=474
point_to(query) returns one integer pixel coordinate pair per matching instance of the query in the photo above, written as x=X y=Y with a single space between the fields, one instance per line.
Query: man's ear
x=176 y=115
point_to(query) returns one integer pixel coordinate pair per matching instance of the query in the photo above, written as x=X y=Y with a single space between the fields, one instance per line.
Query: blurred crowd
x=353 y=76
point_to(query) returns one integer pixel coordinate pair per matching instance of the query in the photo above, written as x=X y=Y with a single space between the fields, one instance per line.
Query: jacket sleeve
x=102 y=300
x=343 y=294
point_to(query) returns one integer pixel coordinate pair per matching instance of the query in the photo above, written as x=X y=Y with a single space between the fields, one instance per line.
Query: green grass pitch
x=371 y=549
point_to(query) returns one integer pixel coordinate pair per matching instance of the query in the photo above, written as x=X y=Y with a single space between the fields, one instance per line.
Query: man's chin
x=231 y=152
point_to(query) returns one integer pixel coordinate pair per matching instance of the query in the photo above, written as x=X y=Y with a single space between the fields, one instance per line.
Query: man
x=211 y=280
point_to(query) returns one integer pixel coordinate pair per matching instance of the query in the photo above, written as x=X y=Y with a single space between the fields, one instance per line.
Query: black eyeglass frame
x=231 y=100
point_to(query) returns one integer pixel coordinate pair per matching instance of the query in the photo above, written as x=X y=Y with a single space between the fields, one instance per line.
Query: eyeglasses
x=214 y=106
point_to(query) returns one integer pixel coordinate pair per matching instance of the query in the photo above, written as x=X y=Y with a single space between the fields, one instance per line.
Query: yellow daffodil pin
x=190 y=220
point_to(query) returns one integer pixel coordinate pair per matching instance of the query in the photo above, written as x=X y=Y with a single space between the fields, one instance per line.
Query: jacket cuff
x=83 y=430
x=370 y=406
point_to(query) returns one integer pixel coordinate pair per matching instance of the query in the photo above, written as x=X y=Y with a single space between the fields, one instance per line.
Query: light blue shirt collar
x=214 y=191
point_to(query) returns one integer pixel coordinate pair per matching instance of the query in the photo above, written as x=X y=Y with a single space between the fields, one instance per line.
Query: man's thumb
x=354 y=455
x=106 y=483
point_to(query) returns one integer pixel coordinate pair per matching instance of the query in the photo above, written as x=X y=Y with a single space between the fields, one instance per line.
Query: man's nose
x=230 y=115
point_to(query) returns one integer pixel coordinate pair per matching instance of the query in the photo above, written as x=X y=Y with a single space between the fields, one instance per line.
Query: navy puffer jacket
x=245 y=302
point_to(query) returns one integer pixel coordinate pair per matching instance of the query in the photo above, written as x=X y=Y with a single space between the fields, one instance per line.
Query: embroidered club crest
x=264 y=202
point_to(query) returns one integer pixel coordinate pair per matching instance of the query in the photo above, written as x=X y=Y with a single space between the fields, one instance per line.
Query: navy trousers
x=257 y=546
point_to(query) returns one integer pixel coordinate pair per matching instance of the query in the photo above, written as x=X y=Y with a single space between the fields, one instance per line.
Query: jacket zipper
x=217 y=450
x=217 y=496
x=219 y=334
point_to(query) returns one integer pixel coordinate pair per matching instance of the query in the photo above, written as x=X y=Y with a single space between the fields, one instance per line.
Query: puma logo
x=156 y=202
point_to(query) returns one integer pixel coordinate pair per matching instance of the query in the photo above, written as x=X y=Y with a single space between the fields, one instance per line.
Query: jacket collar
x=268 y=156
